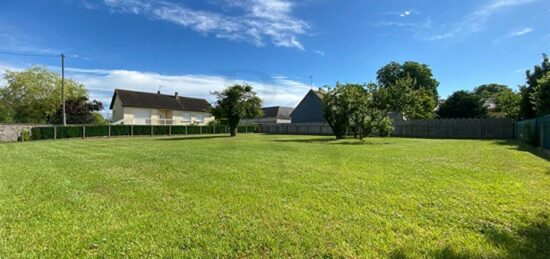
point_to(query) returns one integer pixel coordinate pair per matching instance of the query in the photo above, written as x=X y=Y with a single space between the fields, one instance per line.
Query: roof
x=278 y=112
x=160 y=101
x=318 y=94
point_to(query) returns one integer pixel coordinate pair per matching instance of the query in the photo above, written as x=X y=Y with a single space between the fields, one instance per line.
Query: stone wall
x=11 y=132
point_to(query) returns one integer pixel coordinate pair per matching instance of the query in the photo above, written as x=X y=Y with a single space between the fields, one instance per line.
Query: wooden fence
x=444 y=128
x=486 y=128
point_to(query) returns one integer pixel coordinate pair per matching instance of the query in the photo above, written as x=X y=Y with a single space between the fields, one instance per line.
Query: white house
x=140 y=108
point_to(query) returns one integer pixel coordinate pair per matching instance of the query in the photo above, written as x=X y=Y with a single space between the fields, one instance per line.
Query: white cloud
x=319 y=52
x=521 y=32
x=255 y=21
x=477 y=21
x=274 y=90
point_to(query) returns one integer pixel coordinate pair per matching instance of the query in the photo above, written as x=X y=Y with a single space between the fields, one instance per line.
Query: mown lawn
x=273 y=196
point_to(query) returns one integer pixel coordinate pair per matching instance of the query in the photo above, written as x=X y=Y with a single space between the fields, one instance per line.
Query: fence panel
x=456 y=128
x=535 y=132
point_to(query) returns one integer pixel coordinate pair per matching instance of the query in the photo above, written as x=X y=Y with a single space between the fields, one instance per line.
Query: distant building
x=310 y=109
x=276 y=114
x=139 y=108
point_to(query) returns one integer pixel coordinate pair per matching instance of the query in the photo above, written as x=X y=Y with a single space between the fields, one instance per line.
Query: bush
x=384 y=127
x=42 y=133
x=25 y=135
x=120 y=130
x=222 y=129
x=161 y=130
x=97 y=131
x=193 y=129
x=142 y=130
x=69 y=132
x=179 y=130
x=530 y=135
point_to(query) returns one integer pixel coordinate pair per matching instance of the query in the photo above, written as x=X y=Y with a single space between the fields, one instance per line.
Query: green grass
x=276 y=196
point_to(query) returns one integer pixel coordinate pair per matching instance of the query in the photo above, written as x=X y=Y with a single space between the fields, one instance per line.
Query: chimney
x=176 y=95
x=158 y=92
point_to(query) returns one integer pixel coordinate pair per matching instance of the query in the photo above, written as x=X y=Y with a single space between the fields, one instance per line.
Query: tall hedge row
x=127 y=130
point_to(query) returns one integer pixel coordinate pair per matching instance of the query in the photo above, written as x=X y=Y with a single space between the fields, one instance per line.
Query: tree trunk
x=233 y=131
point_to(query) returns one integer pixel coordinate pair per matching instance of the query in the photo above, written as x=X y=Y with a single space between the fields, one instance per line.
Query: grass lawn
x=273 y=195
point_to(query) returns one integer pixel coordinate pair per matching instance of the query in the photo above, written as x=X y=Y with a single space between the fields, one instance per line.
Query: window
x=186 y=117
x=199 y=118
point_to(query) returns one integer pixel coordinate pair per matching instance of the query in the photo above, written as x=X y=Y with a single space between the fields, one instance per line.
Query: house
x=272 y=115
x=140 y=108
x=310 y=109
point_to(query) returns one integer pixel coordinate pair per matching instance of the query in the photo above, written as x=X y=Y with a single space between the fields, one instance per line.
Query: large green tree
x=33 y=95
x=235 y=103
x=352 y=108
x=411 y=89
x=501 y=101
x=541 y=96
x=462 y=104
x=527 y=106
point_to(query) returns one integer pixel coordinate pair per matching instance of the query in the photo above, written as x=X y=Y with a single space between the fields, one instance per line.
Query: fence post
x=83 y=131
x=109 y=130
x=200 y=130
x=131 y=130
x=541 y=135
x=245 y=129
x=151 y=130
x=170 y=130
x=54 y=132
x=186 y=131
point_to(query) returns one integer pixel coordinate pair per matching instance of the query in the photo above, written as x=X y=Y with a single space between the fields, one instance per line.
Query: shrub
x=69 y=132
x=178 y=130
x=530 y=135
x=221 y=129
x=120 y=130
x=140 y=130
x=384 y=127
x=25 y=135
x=193 y=129
x=161 y=130
x=97 y=131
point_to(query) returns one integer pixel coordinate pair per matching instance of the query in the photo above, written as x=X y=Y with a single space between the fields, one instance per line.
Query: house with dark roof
x=276 y=114
x=310 y=109
x=141 y=108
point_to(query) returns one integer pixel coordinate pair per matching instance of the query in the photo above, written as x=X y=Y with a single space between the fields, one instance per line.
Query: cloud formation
x=521 y=32
x=251 y=21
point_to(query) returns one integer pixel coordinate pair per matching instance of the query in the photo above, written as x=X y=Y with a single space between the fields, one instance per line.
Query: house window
x=199 y=118
x=186 y=117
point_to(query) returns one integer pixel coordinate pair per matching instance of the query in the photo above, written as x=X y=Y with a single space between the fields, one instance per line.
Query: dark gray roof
x=160 y=101
x=278 y=112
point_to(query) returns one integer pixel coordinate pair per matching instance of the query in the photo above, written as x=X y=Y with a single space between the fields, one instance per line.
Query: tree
x=79 y=111
x=527 y=106
x=462 y=104
x=404 y=98
x=33 y=95
x=411 y=89
x=541 y=96
x=235 y=103
x=351 y=107
x=501 y=101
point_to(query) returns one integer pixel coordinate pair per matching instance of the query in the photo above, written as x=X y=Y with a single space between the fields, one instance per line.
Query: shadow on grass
x=193 y=137
x=531 y=241
x=517 y=145
x=331 y=141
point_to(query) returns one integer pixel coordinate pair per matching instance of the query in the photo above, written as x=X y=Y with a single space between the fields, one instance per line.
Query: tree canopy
x=527 y=104
x=541 y=96
x=33 y=95
x=79 y=111
x=501 y=101
x=462 y=104
x=409 y=88
x=352 y=107
x=235 y=103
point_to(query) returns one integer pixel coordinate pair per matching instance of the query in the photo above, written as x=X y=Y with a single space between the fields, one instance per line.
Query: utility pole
x=63 y=88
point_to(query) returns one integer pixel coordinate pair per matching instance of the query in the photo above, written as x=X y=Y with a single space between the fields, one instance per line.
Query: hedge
x=127 y=130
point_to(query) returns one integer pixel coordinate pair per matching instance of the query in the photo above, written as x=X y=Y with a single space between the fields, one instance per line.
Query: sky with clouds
x=281 y=47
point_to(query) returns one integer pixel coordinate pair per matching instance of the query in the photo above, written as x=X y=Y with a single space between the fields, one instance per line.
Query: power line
x=28 y=54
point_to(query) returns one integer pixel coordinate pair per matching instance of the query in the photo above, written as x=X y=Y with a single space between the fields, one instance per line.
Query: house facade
x=272 y=115
x=140 y=108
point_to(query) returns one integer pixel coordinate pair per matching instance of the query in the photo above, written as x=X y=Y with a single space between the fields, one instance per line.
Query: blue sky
x=195 y=47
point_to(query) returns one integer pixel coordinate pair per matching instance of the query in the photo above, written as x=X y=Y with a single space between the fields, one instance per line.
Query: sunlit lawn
x=273 y=196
